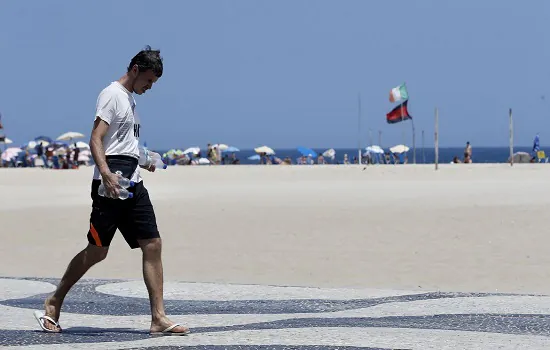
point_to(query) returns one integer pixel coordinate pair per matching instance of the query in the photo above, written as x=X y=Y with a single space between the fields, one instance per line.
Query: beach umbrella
x=375 y=149
x=307 y=151
x=254 y=157
x=231 y=149
x=521 y=157
x=33 y=144
x=43 y=138
x=264 y=149
x=57 y=144
x=81 y=145
x=329 y=153
x=68 y=136
x=194 y=150
x=220 y=146
x=10 y=153
x=7 y=141
x=399 y=149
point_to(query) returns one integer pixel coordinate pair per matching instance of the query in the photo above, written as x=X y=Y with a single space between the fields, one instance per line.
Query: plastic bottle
x=148 y=158
x=124 y=182
x=123 y=193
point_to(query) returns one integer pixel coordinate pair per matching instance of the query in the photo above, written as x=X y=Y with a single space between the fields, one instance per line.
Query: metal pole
x=436 y=138
x=423 y=154
x=414 y=142
x=359 y=129
x=511 y=138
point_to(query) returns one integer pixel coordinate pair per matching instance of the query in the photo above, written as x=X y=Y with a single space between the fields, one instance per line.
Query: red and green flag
x=399 y=114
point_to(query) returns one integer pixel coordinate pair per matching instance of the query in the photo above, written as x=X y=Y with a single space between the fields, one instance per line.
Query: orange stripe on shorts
x=95 y=235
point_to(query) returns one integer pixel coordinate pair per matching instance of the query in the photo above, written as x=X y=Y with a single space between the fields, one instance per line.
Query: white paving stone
x=538 y=305
x=213 y=291
x=14 y=288
x=359 y=337
x=17 y=319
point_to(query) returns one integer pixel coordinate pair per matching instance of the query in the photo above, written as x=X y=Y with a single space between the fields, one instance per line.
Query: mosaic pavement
x=114 y=314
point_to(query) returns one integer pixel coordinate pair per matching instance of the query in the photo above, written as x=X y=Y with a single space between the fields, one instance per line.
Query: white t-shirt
x=116 y=106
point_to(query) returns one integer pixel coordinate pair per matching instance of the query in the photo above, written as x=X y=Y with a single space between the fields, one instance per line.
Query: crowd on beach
x=44 y=152
x=47 y=154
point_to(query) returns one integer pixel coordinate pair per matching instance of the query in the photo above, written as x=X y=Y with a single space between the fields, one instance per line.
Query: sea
x=423 y=156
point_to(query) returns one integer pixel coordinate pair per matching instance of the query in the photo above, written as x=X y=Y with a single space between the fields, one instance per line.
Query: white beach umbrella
x=375 y=149
x=7 y=141
x=329 y=153
x=68 y=136
x=194 y=150
x=399 y=149
x=81 y=145
x=264 y=149
x=221 y=146
x=11 y=153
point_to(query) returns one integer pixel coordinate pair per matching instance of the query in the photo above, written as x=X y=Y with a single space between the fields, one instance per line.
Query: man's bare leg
x=81 y=263
x=153 y=277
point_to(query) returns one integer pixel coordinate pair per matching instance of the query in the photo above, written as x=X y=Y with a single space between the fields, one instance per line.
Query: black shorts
x=133 y=217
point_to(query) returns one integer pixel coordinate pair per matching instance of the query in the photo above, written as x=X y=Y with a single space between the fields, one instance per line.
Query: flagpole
x=436 y=138
x=414 y=141
x=511 y=126
x=359 y=129
x=423 y=154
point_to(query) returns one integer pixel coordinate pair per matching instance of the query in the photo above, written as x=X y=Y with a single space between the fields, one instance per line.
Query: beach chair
x=541 y=157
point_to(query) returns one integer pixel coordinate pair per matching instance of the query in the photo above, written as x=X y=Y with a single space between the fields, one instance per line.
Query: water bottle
x=122 y=194
x=148 y=158
x=124 y=182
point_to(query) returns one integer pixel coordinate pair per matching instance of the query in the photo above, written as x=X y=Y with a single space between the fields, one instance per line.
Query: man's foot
x=52 y=308
x=163 y=324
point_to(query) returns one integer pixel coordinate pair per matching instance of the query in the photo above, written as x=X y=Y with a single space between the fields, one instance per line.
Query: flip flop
x=168 y=331
x=40 y=317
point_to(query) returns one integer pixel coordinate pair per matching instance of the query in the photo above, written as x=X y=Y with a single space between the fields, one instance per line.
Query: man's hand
x=150 y=168
x=110 y=181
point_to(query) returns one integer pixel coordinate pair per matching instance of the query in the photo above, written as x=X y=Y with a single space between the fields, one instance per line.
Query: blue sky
x=282 y=73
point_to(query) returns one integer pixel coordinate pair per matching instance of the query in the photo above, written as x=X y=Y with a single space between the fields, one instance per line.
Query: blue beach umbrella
x=43 y=138
x=307 y=151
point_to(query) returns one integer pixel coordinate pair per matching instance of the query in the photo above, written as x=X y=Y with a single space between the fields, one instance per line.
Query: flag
x=399 y=93
x=398 y=114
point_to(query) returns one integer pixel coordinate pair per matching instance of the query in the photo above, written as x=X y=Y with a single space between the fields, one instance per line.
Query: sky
x=283 y=73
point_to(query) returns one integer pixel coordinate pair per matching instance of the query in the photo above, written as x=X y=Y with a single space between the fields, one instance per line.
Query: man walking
x=114 y=146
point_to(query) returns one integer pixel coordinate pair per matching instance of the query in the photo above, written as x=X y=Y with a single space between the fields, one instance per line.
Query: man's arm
x=110 y=180
x=96 y=145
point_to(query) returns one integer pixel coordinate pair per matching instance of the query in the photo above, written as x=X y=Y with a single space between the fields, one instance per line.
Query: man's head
x=144 y=70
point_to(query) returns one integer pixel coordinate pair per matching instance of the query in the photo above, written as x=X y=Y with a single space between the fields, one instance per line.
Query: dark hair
x=148 y=59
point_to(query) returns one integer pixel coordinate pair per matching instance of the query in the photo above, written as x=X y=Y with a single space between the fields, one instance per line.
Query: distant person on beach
x=75 y=155
x=468 y=150
x=114 y=145
x=456 y=160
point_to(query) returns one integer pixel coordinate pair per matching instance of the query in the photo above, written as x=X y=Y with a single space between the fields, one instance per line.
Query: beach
x=463 y=228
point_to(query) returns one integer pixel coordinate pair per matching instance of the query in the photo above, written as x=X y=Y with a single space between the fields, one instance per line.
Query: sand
x=472 y=228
